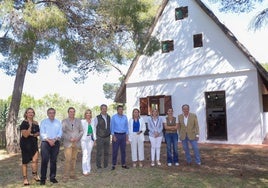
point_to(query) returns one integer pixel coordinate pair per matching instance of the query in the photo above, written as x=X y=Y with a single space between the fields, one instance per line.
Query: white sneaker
x=169 y=164
x=152 y=164
x=177 y=164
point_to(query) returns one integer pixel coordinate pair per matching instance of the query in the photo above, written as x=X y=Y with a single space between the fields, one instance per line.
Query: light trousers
x=137 y=147
x=87 y=146
x=155 y=147
x=70 y=154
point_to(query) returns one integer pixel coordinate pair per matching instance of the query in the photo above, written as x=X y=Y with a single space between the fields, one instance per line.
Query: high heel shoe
x=25 y=181
x=35 y=176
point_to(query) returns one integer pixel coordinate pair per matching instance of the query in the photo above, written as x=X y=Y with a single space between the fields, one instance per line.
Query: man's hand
x=51 y=142
x=73 y=139
x=114 y=138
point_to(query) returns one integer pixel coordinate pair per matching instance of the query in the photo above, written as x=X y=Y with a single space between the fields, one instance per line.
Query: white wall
x=218 y=54
x=242 y=107
x=187 y=72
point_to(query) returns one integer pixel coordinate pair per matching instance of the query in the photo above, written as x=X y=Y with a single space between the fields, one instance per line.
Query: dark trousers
x=103 y=146
x=49 y=153
x=120 y=143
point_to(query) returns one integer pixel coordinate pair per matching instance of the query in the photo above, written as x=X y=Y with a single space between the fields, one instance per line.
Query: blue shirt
x=50 y=129
x=136 y=126
x=119 y=124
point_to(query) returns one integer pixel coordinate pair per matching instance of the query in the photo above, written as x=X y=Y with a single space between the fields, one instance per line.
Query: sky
x=48 y=80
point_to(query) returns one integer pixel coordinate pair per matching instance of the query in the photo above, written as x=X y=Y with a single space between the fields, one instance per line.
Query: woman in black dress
x=28 y=143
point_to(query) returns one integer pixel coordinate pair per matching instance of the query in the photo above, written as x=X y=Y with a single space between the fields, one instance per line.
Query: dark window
x=181 y=12
x=198 y=40
x=265 y=103
x=161 y=102
x=167 y=46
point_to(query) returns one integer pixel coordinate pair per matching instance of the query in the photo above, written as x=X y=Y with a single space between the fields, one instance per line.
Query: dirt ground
x=222 y=166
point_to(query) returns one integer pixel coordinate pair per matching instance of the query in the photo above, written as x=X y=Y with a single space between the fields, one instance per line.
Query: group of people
x=88 y=132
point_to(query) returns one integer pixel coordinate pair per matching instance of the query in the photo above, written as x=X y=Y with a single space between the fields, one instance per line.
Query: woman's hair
x=170 y=109
x=26 y=111
x=87 y=111
x=155 y=110
x=134 y=111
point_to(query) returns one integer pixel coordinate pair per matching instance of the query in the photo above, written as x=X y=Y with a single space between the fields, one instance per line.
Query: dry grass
x=223 y=166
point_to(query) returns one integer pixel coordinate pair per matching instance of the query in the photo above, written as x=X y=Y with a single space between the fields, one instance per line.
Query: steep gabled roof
x=121 y=93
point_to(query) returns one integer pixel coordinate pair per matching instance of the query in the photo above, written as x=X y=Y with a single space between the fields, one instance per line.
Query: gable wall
x=187 y=72
x=218 y=55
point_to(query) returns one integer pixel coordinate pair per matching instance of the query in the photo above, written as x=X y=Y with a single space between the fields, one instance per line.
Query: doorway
x=216 y=115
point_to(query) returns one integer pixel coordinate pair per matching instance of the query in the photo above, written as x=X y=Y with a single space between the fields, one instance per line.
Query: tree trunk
x=12 y=136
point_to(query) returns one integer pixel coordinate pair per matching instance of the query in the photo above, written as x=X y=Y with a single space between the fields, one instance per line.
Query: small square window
x=167 y=46
x=181 y=12
x=198 y=40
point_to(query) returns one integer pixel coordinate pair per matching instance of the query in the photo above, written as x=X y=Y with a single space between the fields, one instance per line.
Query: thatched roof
x=121 y=93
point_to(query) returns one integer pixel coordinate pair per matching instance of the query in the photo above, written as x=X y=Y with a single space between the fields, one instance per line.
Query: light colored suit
x=188 y=133
x=130 y=129
x=136 y=141
x=71 y=130
x=191 y=129
x=85 y=127
x=87 y=143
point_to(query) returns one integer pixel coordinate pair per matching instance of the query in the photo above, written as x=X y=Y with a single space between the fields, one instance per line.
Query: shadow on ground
x=222 y=166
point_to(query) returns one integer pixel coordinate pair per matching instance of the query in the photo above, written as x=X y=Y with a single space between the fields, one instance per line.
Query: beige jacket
x=71 y=130
x=192 y=128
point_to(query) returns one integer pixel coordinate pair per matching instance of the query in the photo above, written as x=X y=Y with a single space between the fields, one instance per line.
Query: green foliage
x=245 y=6
x=133 y=16
x=87 y=34
x=153 y=46
x=44 y=18
x=265 y=66
x=3 y=113
x=110 y=90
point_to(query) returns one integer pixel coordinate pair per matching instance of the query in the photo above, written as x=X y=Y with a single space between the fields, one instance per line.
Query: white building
x=202 y=64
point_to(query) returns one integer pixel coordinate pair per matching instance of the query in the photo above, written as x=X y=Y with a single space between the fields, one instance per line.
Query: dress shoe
x=42 y=182
x=113 y=168
x=125 y=167
x=54 y=180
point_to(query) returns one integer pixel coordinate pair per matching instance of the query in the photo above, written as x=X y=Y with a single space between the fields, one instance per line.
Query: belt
x=119 y=133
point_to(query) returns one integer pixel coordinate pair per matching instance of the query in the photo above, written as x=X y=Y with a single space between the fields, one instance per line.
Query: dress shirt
x=50 y=129
x=185 y=119
x=119 y=124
